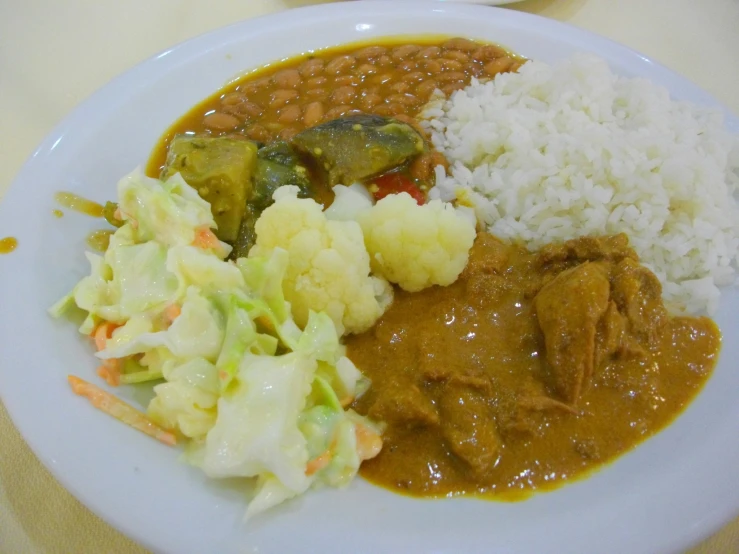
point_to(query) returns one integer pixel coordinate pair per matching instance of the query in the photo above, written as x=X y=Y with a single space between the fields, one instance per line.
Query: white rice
x=559 y=151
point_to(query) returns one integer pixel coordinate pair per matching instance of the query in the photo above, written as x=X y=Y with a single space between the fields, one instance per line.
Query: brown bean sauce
x=391 y=77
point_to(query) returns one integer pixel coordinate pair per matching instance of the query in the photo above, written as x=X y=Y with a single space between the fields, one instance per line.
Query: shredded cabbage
x=257 y=396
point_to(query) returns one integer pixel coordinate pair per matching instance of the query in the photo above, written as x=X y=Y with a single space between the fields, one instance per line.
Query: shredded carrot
x=318 y=463
x=205 y=238
x=369 y=443
x=110 y=372
x=103 y=332
x=222 y=375
x=106 y=402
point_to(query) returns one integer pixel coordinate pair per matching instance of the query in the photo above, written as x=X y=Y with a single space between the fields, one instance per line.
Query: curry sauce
x=532 y=369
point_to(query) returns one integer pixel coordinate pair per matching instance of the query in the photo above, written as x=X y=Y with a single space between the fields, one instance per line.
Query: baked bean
x=259 y=133
x=382 y=109
x=287 y=78
x=487 y=53
x=313 y=114
x=369 y=101
x=253 y=86
x=317 y=93
x=336 y=111
x=497 y=66
x=451 y=65
x=463 y=44
x=405 y=99
x=413 y=76
x=456 y=55
x=243 y=109
x=343 y=95
x=366 y=69
x=290 y=114
x=451 y=76
x=340 y=64
x=400 y=87
x=425 y=89
x=232 y=99
x=432 y=66
x=311 y=68
x=316 y=82
x=406 y=51
x=421 y=167
x=220 y=121
x=429 y=52
x=281 y=97
x=384 y=61
x=395 y=108
x=448 y=89
x=371 y=90
x=347 y=80
x=476 y=70
x=381 y=79
x=409 y=65
x=370 y=52
x=288 y=132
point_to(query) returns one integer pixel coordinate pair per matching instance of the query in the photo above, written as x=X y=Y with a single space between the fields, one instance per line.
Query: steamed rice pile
x=555 y=152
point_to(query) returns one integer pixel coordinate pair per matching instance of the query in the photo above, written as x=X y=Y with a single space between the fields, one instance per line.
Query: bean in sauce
x=391 y=78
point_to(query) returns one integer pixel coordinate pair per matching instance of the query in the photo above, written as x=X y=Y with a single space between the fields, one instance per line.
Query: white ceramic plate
x=662 y=497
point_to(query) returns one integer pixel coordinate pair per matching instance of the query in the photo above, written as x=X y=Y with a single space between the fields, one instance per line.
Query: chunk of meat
x=638 y=295
x=611 y=248
x=568 y=309
x=488 y=255
x=609 y=335
x=468 y=425
x=404 y=404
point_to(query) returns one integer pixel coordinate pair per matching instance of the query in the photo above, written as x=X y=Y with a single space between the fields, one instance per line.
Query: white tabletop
x=53 y=54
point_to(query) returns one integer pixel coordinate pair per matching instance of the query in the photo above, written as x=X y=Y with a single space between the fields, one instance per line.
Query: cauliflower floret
x=417 y=246
x=329 y=265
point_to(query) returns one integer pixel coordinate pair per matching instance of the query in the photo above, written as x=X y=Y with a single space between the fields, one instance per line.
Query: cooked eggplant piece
x=277 y=165
x=220 y=169
x=356 y=147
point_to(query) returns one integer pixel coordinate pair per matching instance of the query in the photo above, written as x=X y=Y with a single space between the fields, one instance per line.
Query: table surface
x=47 y=66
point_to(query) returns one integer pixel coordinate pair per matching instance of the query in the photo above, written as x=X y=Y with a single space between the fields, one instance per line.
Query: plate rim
x=195 y=43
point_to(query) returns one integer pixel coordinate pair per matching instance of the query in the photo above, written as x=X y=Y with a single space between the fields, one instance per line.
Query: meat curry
x=531 y=369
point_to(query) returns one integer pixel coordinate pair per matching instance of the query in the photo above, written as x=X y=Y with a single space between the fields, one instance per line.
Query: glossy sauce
x=461 y=376
x=79 y=204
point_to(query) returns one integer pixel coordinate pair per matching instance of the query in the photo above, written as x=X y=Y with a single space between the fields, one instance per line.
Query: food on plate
x=533 y=368
x=329 y=266
x=357 y=147
x=163 y=305
x=310 y=284
x=553 y=152
x=417 y=246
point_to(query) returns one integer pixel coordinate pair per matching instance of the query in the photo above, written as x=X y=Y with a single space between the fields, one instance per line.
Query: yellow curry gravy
x=8 y=244
x=533 y=368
